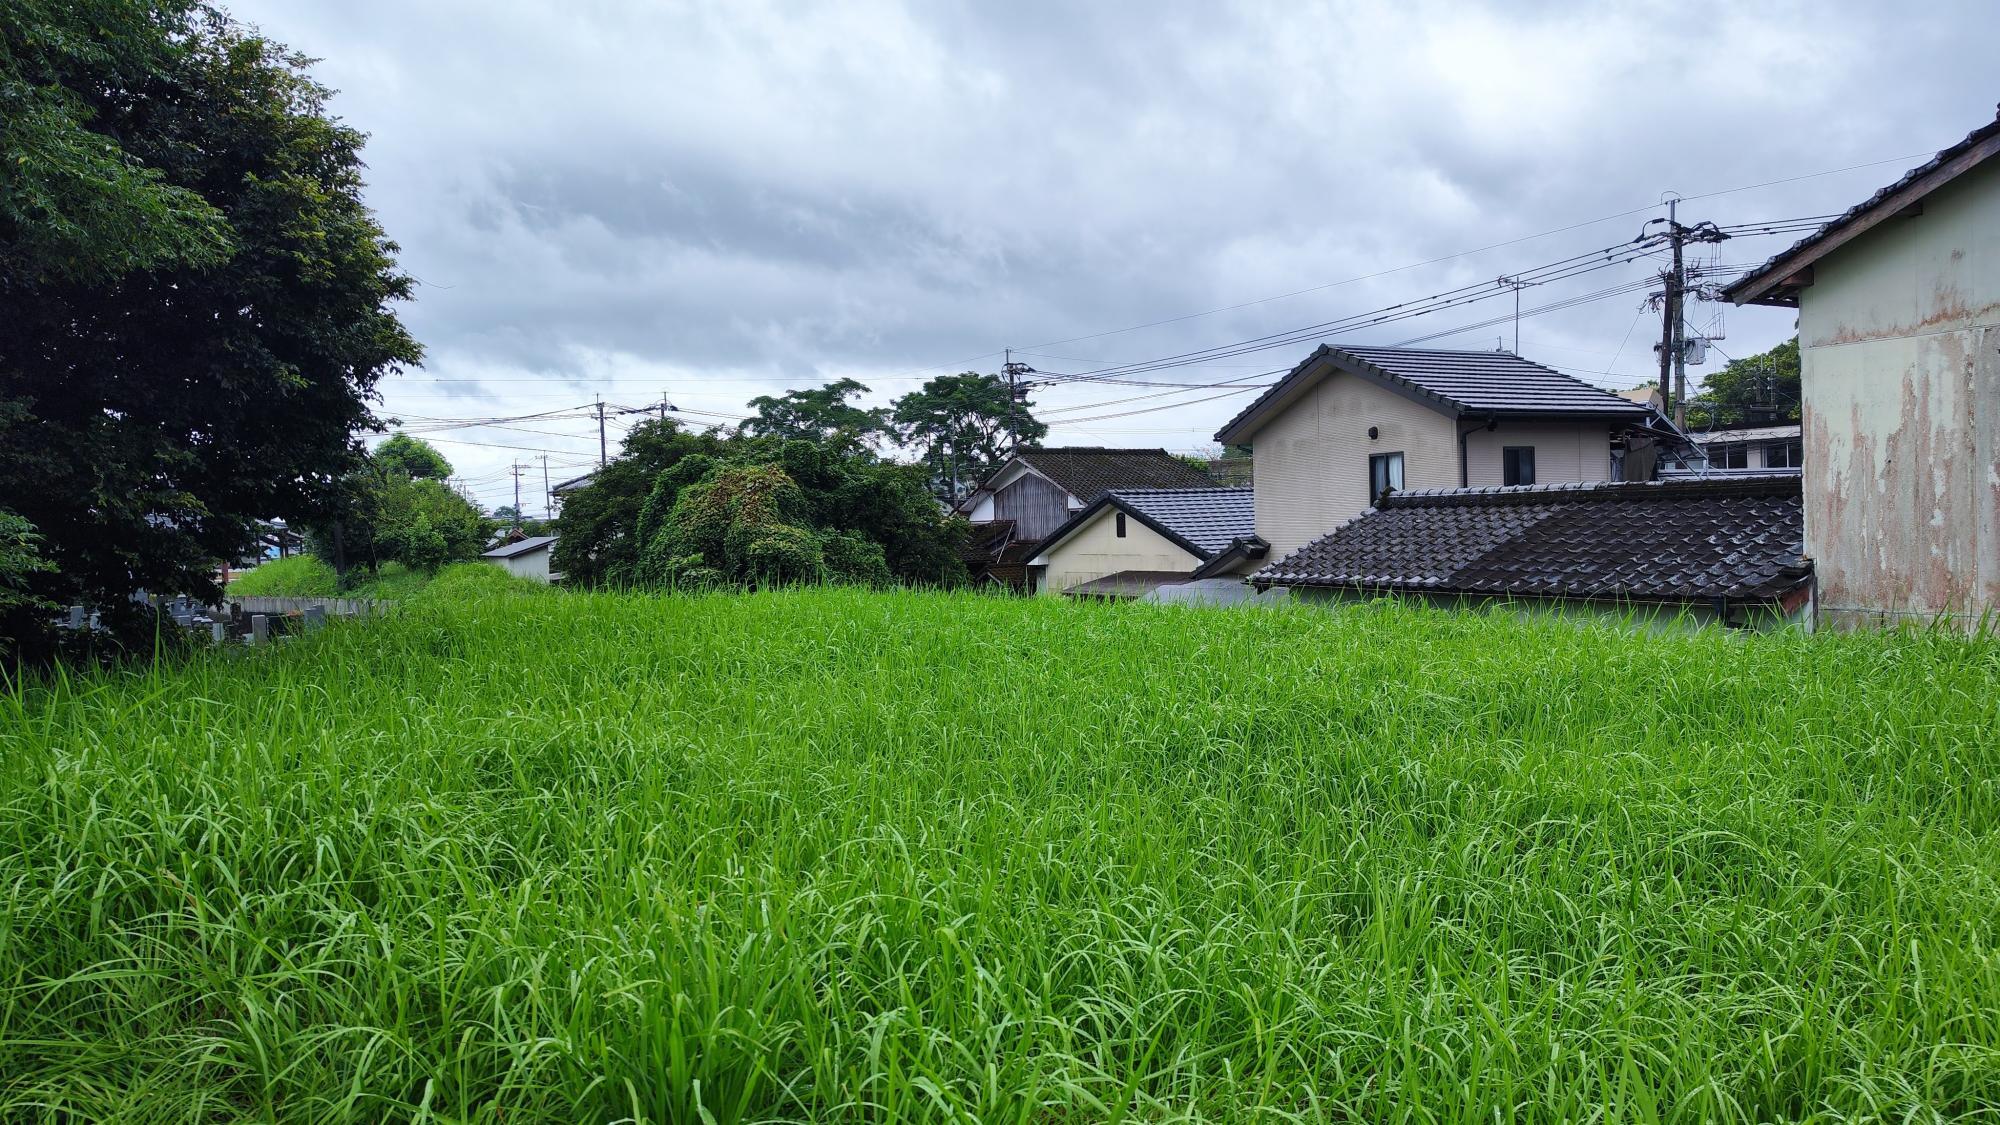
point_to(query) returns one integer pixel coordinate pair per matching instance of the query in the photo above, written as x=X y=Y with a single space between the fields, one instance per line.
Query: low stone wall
x=333 y=607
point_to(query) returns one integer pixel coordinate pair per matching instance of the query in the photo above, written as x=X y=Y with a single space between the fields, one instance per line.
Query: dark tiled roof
x=1208 y=519
x=1681 y=541
x=519 y=547
x=985 y=541
x=1126 y=584
x=1468 y=382
x=1089 y=472
x=1763 y=281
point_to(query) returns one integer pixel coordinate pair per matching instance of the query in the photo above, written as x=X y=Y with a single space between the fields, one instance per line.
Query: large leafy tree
x=963 y=425
x=75 y=204
x=195 y=305
x=412 y=457
x=1757 y=388
x=597 y=529
x=800 y=511
x=823 y=415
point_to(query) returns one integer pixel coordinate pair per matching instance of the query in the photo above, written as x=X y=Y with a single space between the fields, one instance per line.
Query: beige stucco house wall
x=1899 y=336
x=1564 y=451
x=1312 y=457
x=1095 y=550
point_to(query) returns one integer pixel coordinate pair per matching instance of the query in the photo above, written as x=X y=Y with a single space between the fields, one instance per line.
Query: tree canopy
x=681 y=508
x=195 y=304
x=822 y=415
x=1757 y=388
x=412 y=457
x=963 y=425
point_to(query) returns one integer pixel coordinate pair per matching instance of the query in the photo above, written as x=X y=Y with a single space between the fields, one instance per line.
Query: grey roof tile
x=1208 y=518
x=1088 y=472
x=1473 y=382
x=1685 y=541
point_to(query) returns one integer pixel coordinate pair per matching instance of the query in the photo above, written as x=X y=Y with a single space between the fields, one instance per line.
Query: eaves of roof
x=1251 y=418
x=1778 y=281
x=1109 y=500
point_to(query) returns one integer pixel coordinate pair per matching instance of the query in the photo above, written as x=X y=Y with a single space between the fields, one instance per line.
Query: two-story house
x=1899 y=343
x=1349 y=423
x=1036 y=491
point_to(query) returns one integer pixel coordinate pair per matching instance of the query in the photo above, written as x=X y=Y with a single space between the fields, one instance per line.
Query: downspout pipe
x=1492 y=422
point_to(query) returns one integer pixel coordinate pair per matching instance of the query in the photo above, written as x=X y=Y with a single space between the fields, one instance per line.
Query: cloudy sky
x=714 y=201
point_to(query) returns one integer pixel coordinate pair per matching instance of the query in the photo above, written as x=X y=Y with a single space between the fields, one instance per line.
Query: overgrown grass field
x=837 y=855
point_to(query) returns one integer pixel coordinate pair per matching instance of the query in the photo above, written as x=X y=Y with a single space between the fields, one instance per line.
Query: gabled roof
x=1208 y=518
x=1204 y=522
x=572 y=484
x=1778 y=281
x=1681 y=541
x=1088 y=472
x=520 y=547
x=1453 y=382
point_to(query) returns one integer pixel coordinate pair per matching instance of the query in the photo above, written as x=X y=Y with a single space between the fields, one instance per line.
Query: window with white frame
x=1385 y=474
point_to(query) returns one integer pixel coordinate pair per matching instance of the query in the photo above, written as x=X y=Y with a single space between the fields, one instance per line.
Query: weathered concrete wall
x=1900 y=345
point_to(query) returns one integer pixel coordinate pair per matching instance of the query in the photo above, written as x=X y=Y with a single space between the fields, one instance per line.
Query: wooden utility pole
x=1670 y=320
x=601 y=448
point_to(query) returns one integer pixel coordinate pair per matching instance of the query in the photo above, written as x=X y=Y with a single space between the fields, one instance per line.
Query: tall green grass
x=299 y=576
x=832 y=855
x=305 y=576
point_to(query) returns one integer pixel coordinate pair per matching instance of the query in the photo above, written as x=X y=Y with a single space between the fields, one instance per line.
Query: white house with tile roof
x=1349 y=422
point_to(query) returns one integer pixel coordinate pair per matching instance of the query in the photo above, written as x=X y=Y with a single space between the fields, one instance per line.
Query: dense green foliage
x=752 y=512
x=822 y=415
x=194 y=301
x=73 y=206
x=299 y=576
x=312 y=578
x=411 y=457
x=395 y=508
x=20 y=560
x=1760 y=388
x=834 y=855
x=963 y=425
x=597 y=530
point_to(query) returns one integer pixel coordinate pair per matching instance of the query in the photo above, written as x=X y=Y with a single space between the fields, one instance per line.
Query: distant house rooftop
x=1203 y=521
x=1455 y=382
x=1691 y=542
x=1088 y=472
x=519 y=547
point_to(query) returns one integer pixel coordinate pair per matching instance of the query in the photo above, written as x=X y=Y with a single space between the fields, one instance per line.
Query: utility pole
x=601 y=458
x=516 y=467
x=1673 y=310
x=548 y=501
x=1670 y=317
x=1017 y=392
x=1516 y=284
